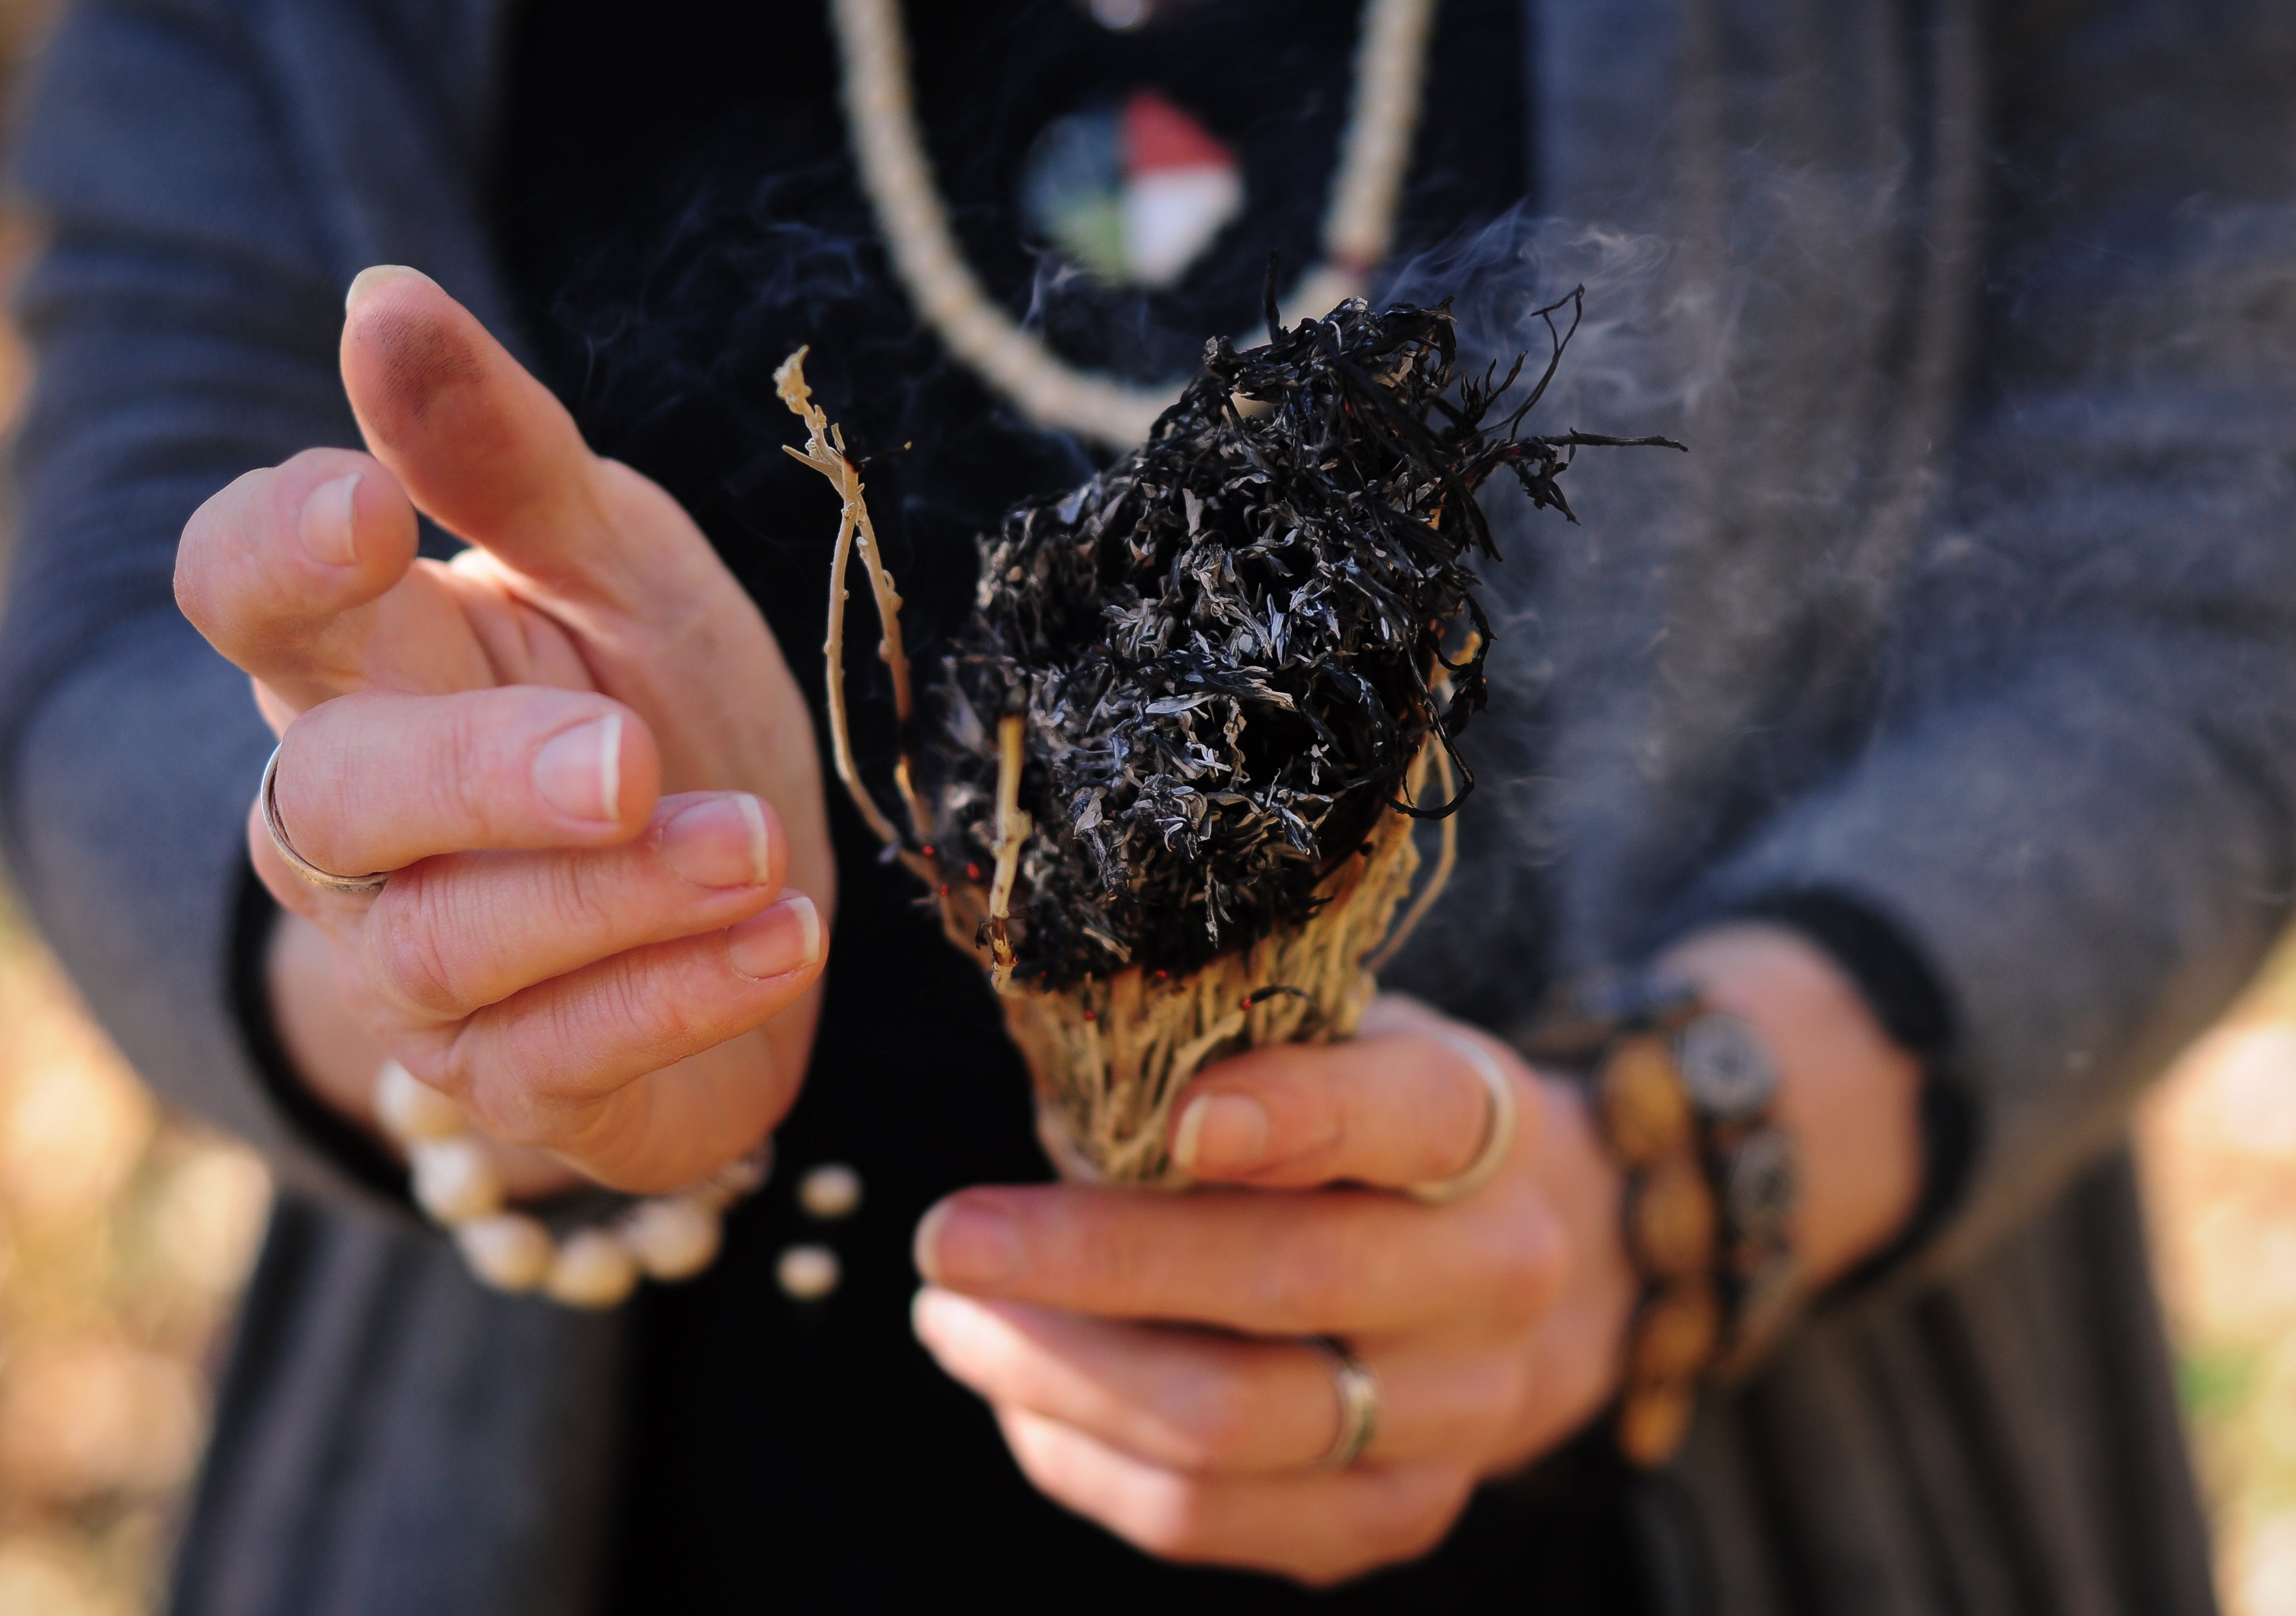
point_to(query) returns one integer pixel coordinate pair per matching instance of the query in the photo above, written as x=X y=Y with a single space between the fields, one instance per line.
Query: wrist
x=310 y=1126
x=1847 y=1096
x=1766 y=1130
x=338 y=1063
x=327 y=1050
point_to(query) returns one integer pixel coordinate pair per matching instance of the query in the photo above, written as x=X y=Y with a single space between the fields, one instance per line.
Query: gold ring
x=1498 y=1129
x=326 y=880
x=1359 y=1403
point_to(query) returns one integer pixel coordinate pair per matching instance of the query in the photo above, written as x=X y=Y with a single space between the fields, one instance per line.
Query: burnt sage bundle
x=1169 y=774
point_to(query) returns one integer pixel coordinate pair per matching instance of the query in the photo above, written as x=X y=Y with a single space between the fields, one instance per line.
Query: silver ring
x=1498 y=1129
x=1359 y=1403
x=326 y=880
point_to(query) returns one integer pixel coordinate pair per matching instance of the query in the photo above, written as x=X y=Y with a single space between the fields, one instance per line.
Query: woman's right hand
x=576 y=747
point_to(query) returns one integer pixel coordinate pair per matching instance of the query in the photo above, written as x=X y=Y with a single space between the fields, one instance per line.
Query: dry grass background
x=125 y=1233
x=2219 y=1149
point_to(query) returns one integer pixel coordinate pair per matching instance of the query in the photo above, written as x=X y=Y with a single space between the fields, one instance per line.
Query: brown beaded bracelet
x=1684 y=1094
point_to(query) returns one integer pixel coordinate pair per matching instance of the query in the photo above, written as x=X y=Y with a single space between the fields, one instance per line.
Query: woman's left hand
x=1150 y=1355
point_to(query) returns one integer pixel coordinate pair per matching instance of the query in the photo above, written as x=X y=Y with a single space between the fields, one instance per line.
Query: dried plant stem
x=889 y=649
x=825 y=452
x=1013 y=828
x=840 y=739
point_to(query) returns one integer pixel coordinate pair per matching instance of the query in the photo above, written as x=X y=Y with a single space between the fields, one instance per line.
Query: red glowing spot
x=972 y=872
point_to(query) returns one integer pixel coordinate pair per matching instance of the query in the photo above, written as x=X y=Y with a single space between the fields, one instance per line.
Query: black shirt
x=679 y=211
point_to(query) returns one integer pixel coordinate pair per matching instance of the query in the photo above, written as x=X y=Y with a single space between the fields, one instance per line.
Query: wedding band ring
x=326 y=880
x=1498 y=1129
x=1359 y=1403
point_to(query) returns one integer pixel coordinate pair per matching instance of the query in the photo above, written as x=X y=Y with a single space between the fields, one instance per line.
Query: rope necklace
x=1359 y=229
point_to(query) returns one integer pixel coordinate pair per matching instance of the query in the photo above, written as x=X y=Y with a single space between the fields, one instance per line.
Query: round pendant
x=1132 y=195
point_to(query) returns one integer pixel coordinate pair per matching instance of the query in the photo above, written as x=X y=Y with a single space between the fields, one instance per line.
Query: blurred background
x=126 y=1234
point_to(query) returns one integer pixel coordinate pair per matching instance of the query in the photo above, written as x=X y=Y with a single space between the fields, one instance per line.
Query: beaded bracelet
x=661 y=1237
x=1684 y=1093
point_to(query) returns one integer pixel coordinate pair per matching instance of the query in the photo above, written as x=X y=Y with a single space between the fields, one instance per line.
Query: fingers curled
x=377 y=780
x=1316 y=1528
x=552 y=1052
x=1393 y=1110
x=1333 y=1262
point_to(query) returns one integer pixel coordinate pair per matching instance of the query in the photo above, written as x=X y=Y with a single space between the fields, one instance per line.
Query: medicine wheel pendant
x=1358 y=228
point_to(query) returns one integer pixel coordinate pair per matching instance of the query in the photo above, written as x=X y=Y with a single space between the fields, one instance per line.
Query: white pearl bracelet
x=663 y=1237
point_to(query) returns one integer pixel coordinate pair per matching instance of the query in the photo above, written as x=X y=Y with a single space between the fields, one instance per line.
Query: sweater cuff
x=343 y=1144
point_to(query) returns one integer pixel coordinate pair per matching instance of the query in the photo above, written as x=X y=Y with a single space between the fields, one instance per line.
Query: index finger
x=1337 y=1261
x=1392 y=1108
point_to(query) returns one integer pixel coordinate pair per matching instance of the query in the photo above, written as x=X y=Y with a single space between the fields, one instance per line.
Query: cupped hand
x=1150 y=1355
x=576 y=748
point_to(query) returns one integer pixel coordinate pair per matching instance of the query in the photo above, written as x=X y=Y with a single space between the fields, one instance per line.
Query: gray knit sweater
x=1978 y=604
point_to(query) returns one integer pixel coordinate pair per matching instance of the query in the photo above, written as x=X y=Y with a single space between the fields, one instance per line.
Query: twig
x=825 y=452
x=1012 y=827
x=889 y=649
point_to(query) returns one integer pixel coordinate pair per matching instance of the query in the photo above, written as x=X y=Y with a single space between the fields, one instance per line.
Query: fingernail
x=719 y=841
x=1221 y=1133
x=378 y=275
x=329 y=525
x=968 y=1242
x=933 y=1312
x=924 y=1307
x=953 y=1327
x=785 y=937
x=579 y=772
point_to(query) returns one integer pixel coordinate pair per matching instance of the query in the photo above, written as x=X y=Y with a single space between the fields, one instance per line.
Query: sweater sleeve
x=2080 y=808
x=184 y=316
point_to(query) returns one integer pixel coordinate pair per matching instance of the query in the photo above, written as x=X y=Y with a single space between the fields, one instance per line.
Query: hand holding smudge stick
x=1181 y=746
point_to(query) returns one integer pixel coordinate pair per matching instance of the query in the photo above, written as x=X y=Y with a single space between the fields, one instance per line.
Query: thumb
x=486 y=450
